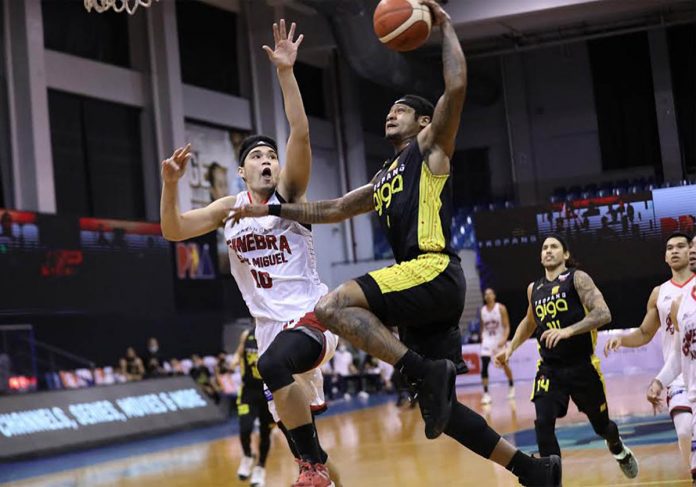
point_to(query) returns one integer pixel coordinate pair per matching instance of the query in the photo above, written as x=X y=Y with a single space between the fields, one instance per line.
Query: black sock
x=411 y=365
x=306 y=442
x=521 y=464
x=485 y=389
x=613 y=439
x=511 y=383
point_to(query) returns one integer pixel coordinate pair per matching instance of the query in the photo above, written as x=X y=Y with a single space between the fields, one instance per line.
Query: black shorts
x=424 y=298
x=583 y=383
x=252 y=403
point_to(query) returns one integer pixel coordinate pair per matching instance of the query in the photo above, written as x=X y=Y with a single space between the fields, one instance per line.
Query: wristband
x=274 y=210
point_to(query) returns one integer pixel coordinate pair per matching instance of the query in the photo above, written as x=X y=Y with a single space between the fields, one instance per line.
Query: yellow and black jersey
x=251 y=378
x=414 y=206
x=556 y=304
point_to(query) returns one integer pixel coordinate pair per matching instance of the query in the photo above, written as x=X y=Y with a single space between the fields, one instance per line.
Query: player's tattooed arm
x=598 y=313
x=356 y=202
x=442 y=132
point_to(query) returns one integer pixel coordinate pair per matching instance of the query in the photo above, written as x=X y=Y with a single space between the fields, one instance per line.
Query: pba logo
x=193 y=261
x=473 y=362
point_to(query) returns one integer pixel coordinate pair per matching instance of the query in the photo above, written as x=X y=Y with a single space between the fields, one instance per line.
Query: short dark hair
x=678 y=234
x=252 y=142
x=422 y=106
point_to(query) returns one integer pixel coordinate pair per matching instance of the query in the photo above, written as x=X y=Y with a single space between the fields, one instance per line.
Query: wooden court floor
x=385 y=446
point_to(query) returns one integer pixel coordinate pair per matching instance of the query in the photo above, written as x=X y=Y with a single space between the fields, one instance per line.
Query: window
x=208 y=46
x=311 y=82
x=625 y=102
x=682 y=52
x=97 y=160
x=69 y=28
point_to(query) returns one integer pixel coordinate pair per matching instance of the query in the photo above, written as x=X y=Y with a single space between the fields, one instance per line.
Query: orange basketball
x=402 y=25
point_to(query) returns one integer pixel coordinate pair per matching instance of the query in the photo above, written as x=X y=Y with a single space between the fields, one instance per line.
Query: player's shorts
x=424 y=297
x=252 y=403
x=491 y=348
x=677 y=397
x=312 y=381
x=583 y=383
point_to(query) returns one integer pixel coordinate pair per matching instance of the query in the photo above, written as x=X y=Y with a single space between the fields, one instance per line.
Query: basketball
x=402 y=25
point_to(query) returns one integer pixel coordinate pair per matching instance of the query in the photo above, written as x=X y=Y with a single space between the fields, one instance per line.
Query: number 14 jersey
x=273 y=261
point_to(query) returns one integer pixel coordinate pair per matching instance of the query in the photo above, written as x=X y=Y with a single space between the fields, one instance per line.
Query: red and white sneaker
x=313 y=475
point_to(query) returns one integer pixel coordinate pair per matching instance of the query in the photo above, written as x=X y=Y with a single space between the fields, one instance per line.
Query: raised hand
x=503 y=357
x=175 y=167
x=285 y=52
x=246 y=211
x=438 y=13
x=612 y=345
x=653 y=395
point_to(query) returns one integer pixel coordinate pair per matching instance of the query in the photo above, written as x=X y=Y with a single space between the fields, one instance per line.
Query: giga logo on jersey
x=550 y=307
x=390 y=184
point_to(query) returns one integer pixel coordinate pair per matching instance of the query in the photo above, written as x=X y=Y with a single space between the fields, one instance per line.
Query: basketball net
x=129 y=6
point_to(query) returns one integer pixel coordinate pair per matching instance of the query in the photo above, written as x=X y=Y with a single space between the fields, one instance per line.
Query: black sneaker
x=436 y=395
x=547 y=474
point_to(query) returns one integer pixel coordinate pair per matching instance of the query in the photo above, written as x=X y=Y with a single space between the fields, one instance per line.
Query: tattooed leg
x=345 y=312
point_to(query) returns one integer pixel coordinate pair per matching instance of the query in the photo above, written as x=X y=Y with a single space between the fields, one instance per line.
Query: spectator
x=153 y=362
x=343 y=368
x=120 y=375
x=202 y=376
x=134 y=369
x=175 y=367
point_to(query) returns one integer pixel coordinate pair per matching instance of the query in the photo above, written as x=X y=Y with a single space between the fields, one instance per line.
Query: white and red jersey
x=273 y=261
x=686 y=317
x=669 y=291
x=491 y=330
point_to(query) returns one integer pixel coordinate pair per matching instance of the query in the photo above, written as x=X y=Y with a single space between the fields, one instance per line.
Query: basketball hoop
x=129 y=6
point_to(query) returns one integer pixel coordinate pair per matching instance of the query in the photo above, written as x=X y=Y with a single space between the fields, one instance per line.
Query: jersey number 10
x=263 y=279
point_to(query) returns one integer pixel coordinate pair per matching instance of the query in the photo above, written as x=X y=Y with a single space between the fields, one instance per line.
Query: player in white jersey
x=495 y=330
x=657 y=318
x=273 y=263
x=682 y=358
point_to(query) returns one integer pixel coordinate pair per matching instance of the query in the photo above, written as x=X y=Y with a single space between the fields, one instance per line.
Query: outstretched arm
x=673 y=366
x=437 y=140
x=175 y=225
x=294 y=177
x=356 y=202
x=237 y=357
x=598 y=313
x=505 y=319
x=524 y=331
x=643 y=334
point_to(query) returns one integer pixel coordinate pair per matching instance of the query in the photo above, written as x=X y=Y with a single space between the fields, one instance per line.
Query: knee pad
x=275 y=370
x=472 y=431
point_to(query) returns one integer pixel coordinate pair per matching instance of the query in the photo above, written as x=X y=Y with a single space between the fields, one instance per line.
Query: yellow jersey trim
x=430 y=234
x=412 y=273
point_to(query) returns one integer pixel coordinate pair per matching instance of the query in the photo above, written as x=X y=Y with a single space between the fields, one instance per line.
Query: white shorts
x=312 y=381
x=677 y=397
x=490 y=348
